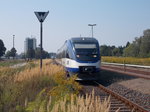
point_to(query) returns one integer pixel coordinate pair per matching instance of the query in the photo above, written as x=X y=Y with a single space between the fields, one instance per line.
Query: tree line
x=35 y=54
x=31 y=53
x=140 y=47
x=2 y=48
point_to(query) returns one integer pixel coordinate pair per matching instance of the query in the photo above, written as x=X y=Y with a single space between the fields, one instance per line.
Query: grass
x=7 y=70
x=29 y=90
x=72 y=103
x=127 y=60
x=10 y=62
x=9 y=90
x=87 y=103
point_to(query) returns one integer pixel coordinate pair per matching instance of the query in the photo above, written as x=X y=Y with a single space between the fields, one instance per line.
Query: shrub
x=69 y=103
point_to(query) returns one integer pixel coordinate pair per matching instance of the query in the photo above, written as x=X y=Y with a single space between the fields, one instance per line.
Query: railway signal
x=41 y=17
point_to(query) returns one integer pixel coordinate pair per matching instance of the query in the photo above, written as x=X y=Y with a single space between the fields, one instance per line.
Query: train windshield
x=86 y=51
x=85 y=46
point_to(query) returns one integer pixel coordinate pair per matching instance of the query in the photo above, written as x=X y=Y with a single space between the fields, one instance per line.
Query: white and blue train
x=80 y=56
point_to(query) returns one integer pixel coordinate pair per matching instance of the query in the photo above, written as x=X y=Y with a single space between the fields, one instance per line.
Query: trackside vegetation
x=126 y=60
x=10 y=62
x=26 y=89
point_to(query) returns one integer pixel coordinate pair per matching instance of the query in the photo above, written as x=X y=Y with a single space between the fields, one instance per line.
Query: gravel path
x=18 y=65
x=136 y=90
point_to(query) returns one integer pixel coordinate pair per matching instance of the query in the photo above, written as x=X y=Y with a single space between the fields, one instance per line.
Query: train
x=81 y=56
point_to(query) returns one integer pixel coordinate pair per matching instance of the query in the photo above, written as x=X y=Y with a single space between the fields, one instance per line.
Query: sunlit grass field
x=27 y=89
x=126 y=60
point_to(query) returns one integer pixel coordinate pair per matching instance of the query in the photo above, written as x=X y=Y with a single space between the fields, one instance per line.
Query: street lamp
x=92 y=27
x=13 y=41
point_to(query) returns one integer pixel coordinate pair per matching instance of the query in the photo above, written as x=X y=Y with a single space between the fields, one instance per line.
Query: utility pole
x=13 y=41
x=13 y=49
x=92 y=28
x=41 y=45
x=41 y=17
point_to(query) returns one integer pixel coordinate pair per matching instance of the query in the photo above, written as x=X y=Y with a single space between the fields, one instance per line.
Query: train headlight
x=78 y=56
x=94 y=56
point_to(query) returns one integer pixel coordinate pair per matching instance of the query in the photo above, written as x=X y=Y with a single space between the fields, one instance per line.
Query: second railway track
x=134 y=70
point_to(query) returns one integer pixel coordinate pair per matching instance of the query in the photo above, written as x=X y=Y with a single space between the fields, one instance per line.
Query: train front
x=87 y=57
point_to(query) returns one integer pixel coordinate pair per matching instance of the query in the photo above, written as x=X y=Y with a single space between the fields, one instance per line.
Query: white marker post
x=41 y=17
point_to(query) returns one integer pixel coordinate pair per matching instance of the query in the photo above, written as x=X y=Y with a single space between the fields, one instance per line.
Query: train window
x=86 y=51
x=85 y=46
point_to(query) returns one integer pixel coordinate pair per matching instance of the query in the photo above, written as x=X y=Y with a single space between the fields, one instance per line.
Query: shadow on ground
x=107 y=78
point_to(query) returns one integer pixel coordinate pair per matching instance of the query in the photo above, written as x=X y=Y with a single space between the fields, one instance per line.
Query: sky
x=117 y=21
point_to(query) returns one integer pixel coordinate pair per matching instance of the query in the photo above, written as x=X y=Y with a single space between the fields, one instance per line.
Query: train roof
x=83 y=39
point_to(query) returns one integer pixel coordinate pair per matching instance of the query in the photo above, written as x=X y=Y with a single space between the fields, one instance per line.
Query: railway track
x=117 y=103
x=134 y=70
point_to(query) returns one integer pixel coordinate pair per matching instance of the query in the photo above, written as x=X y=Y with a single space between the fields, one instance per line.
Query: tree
x=128 y=43
x=111 y=50
x=13 y=52
x=116 y=52
x=145 y=47
x=2 y=48
x=30 y=53
x=37 y=53
x=45 y=54
x=140 y=47
x=132 y=50
x=129 y=51
x=22 y=55
x=106 y=50
x=8 y=54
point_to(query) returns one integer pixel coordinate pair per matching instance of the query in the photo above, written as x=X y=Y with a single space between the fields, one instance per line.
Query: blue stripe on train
x=93 y=61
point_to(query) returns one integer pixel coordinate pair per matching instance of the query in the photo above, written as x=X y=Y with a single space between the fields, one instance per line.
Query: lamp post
x=92 y=27
x=13 y=41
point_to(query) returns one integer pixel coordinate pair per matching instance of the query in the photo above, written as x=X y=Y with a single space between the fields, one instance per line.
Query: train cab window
x=85 y=46
x=86 y=51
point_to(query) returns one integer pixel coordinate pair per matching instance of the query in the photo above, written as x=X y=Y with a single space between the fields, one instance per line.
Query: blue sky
x=118 y=21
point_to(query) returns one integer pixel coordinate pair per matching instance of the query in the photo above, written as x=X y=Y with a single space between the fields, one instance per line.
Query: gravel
x=138 y=84
x=135 y=90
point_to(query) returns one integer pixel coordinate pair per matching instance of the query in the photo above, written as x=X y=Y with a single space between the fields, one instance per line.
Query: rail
x=132 y=105
x=127 y=65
